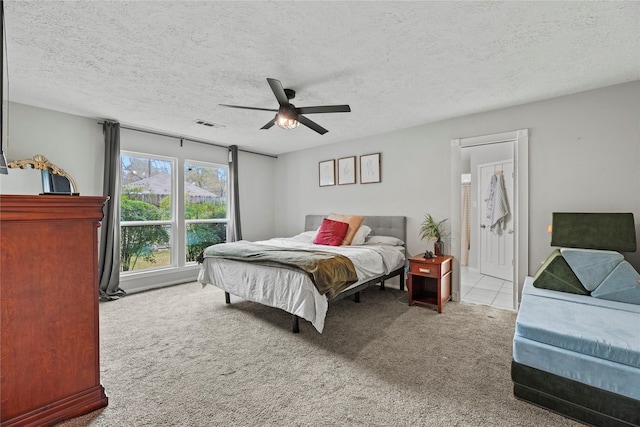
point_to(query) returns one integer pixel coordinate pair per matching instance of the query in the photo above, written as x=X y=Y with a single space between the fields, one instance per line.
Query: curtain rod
x=189 y=139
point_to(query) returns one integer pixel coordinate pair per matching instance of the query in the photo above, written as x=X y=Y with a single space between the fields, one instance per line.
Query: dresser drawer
x=426 y=269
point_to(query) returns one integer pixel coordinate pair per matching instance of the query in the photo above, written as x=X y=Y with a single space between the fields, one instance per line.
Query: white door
x=496 y=245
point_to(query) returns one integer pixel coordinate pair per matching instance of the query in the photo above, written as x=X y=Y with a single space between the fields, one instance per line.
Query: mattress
x=592 y=341
x=604 y=374
x=290 y=289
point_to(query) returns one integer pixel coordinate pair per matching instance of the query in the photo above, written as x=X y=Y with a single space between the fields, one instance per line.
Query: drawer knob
x=425 y=270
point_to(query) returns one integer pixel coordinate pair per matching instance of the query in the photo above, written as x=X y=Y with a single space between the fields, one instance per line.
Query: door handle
x=510 y=231
x=483 y=226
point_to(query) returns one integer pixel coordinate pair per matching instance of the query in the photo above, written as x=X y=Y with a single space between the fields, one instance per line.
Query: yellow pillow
x=354 y=222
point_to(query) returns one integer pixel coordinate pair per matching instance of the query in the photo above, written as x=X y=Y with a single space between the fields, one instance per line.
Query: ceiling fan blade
x=247 y=108
x=324 y=109
x=312 y=125
x=278 y=91
x=270 y=124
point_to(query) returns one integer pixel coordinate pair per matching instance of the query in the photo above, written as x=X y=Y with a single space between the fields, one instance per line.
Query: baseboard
x=71 y=407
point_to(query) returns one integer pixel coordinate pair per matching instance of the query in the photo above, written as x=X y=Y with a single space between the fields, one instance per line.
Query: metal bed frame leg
x=295 y=320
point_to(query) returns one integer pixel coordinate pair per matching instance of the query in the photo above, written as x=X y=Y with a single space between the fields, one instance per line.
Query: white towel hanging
x=497 y=204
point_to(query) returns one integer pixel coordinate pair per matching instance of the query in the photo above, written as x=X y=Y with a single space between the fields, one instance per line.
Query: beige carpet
x=180 y=357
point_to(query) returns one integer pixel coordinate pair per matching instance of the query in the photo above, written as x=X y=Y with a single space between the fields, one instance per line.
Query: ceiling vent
x=207 y=124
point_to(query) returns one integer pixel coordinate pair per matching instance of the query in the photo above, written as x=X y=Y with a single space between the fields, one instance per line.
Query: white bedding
x=292 y=290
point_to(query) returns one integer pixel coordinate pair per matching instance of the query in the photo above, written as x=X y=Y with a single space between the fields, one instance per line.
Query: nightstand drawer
x=428 y=270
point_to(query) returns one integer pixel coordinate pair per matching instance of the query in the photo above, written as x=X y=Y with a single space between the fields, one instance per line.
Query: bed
x=292 y=289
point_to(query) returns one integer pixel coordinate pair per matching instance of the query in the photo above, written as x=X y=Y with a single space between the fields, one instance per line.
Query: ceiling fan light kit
x=286 y=122
x=288 y=116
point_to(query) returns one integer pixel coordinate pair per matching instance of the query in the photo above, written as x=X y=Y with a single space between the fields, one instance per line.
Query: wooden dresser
x=49 y=348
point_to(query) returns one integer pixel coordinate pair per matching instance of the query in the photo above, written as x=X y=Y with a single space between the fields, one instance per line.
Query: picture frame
x=347 y=170
x=370 y=168
x=327 y=173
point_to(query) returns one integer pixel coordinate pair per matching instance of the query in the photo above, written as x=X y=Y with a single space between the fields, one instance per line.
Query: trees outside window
x=146 y=227
x=205 y=205
x=150 y=219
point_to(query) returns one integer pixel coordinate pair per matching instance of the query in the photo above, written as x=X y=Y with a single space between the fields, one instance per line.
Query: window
x=166 y=220
x=205 y=206
x=147 y=220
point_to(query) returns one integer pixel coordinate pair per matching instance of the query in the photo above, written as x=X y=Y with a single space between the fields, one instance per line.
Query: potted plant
x=432 y=229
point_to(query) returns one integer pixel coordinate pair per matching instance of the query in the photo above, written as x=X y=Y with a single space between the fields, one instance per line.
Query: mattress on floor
x=611 y=376
x=529 y=289
x=583 y=325
x=593 y=341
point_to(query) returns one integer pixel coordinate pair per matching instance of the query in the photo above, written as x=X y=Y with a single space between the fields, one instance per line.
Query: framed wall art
x=327 y=172
x=347 y=170
x=370 y=168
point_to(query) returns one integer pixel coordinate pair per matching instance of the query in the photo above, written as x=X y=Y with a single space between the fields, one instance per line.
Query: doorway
x=490 y=261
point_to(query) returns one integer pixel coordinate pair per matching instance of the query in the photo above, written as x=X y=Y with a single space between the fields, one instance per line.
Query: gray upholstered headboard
x=395 y=226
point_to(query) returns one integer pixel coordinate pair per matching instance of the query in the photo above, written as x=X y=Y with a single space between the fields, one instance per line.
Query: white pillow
x=361 y=234
x=311 y=233
x=383 y=240
x=305 y=236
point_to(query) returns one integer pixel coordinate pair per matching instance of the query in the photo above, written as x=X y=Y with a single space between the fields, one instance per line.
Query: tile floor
x=479 y=289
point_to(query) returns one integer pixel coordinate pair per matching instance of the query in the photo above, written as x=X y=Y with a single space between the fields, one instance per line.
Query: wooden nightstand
x=429 y=281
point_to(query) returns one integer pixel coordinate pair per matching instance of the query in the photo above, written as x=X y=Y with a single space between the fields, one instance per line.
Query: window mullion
x=138 y=223
x=179 y=216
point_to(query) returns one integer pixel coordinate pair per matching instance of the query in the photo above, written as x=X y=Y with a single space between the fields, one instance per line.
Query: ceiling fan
x=288 y=116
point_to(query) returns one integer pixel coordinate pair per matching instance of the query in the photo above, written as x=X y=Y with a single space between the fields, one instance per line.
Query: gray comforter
x=329 y=272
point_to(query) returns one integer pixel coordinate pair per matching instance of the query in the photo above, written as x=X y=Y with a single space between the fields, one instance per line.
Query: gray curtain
x=234 y=231
x=109 y=261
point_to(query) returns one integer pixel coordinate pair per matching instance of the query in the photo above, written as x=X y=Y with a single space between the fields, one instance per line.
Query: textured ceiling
x=162 y=65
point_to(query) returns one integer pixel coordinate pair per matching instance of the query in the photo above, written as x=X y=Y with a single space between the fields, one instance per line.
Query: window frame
x=172 y=223
x=186 y=222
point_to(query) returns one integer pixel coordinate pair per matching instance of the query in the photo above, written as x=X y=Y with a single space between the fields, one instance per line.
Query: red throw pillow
x=331 y=232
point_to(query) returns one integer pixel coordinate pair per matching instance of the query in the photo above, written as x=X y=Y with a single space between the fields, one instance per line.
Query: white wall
x=72 y=143
x=584 y=155
x=257 y=190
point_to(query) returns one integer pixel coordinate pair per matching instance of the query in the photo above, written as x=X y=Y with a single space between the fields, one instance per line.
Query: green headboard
x=607 y=231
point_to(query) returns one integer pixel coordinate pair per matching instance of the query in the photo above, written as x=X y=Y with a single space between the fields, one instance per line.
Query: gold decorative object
x=42 y=163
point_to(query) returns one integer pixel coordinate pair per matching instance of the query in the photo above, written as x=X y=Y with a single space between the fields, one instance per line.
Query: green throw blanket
x=329 y=272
